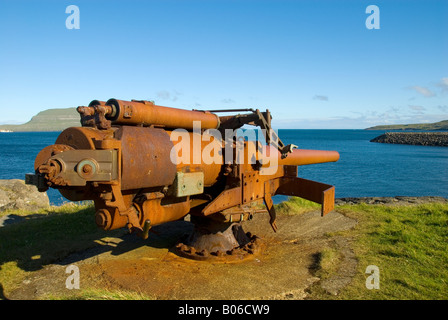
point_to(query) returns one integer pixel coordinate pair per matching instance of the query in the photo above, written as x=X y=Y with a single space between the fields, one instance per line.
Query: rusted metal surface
x=145 y=113
x=238 y=253
x=309 y=190
x=218 y=241
x=49 y=151
x=300 y=157
x=145 y=158
x=158 y=212
x=83 y=137
x=129 y=157
x=226 y=199
x=194 y=160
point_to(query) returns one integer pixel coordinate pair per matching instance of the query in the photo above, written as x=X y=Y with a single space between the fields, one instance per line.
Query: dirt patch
x=284 y=269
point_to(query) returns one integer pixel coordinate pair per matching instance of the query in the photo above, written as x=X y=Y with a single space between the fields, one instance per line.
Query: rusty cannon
x=144 y=165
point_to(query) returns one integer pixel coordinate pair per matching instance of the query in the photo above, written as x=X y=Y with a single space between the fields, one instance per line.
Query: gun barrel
x=304 y=157
x=140 y=112
x=300 y=157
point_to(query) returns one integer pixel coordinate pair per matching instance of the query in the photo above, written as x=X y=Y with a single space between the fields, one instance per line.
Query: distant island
x=438 y=139
x=441 y=125
x=48 y=120
x=60 y=119
x=426 y=134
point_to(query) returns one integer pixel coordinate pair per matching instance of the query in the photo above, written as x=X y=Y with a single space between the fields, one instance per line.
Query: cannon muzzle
x=301 y=157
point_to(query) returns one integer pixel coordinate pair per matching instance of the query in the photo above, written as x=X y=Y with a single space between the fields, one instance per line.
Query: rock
x=439 y=139
x=398 y=200
x=15 y=194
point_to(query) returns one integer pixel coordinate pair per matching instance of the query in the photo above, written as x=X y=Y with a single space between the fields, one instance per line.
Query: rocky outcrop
x=48 y=120
x=439 y=139
x=441 y=125
x=15 y=194
x=399 y=200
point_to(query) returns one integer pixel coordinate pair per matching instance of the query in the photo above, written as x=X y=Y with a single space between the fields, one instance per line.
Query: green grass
x=45 y=236
x=328 y=262
x=48 y=120
x=102 y=294
x=441 y=125
x=407 y=243
x=296 y=205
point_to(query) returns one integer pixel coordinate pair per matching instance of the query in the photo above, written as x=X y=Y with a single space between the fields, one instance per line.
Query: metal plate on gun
x=189 y=183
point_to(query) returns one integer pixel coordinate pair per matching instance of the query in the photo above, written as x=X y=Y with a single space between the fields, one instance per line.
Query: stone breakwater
x=439 y=139
x=398 y=200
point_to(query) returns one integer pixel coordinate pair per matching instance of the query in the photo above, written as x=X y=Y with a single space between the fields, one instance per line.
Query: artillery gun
x=144 y=165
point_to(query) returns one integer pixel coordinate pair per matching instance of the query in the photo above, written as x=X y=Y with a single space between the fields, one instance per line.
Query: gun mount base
x=218 y=241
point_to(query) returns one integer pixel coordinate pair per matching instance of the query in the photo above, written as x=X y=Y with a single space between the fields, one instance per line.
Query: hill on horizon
x=48 y=120
x=441 y=125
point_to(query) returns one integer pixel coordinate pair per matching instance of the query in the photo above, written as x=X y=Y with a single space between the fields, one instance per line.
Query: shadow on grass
x=64 y=238
x=2 y=293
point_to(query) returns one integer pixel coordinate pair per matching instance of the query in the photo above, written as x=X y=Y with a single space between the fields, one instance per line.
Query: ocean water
x=365 y=169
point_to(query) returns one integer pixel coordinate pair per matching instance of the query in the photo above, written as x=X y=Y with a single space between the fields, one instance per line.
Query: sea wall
x=439 y=139
x=398 y=200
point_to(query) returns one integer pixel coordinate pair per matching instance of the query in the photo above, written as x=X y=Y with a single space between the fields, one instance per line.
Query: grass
x=44 y=237
x=296 y=205
x=327 y=262
x=441 y=125
x=407 y=243
x=102 y=294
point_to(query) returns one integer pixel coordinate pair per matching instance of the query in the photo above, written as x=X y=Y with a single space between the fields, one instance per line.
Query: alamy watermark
x=240 y=147
x=72 y=281
x=73 y=20
x=373 y=280
x=373 y=20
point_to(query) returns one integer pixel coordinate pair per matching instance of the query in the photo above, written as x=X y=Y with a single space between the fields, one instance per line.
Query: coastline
x=397 y=200
x=438 y=139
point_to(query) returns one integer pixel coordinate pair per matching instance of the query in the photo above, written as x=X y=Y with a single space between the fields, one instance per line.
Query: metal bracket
x=255 y=118
x=310 y=190
x=80 y=166
x=188 y=183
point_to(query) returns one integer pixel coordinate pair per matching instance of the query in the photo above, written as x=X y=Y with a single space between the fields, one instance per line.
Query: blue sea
x=365 y=169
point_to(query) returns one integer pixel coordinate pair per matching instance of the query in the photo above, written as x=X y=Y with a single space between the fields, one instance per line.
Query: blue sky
x=313 y=64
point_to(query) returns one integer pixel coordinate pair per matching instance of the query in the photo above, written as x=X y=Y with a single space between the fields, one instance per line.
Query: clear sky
x=313 y=64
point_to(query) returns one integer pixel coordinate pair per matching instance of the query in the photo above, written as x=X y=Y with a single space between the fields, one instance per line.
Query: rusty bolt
x=103 y=218
x=87 y=169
